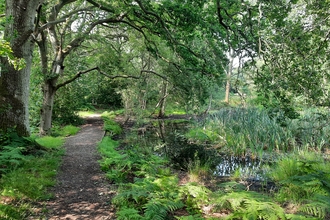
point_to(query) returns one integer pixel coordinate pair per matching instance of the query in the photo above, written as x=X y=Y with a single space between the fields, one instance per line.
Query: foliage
x=195 y=196
x=28 y=168
x=248 y=205
x=155 y=192
x=295 y=55
x=304 y=179
x=111 y=127
x=5 y=50
x=51 y=142
x=14 y=150
x=28 y=183
x=120 y=166
x=128 y=214
x=157 y=197
x=197 y=171
x=68 y=130
x=311 y=130
x=243 y=131
x=12 y=212
x=65 y=110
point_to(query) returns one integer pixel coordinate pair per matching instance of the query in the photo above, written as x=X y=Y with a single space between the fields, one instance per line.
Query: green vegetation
x=254 y=74
x=246 y=131
x=148 y=187
x=110 y=126
x=51 y=142
x=28 y=168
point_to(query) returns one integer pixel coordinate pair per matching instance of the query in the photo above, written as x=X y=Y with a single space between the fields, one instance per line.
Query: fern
x=190 y=217
x=158 y=208
x=249 y=205
x=314 y=209
x=111 y=127
x=156 y=196
x=10 y=158
x=128 y=214
x=195 y=196
x=299 y=217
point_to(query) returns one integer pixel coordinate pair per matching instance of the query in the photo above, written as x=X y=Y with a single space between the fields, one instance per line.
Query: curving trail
x=82 y=192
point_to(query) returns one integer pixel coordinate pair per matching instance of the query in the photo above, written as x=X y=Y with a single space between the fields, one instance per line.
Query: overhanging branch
x=75 y=77
x=117 y=76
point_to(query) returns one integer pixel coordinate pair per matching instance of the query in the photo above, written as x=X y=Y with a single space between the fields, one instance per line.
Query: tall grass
x=249 y=130
x=244 y=131
x=312 y=129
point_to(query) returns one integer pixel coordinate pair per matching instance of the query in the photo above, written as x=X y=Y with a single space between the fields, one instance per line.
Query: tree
x=70 y=23
x=14 y=82
x=294 y=49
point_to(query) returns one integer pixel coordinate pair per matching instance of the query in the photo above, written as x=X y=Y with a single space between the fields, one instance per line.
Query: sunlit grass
x=51 y=142
x=198 y=172
x=69 y=130
x=28 y=183
x=84 y=114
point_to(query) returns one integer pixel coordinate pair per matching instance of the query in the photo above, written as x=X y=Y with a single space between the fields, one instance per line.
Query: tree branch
x=117 y=76
x=100 y=6
x=77 y=41
x=75 y=77
x=155 y=73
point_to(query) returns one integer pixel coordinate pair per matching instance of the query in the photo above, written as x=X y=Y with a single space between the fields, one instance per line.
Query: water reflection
x=247 y=167
x=166 y=138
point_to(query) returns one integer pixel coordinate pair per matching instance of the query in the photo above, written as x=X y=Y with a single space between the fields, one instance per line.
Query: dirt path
x=82 y=192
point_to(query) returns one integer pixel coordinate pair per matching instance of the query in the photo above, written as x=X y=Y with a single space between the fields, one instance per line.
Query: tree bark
x=49 y=91
x=14 y=83
x=229 y=73
x=162 y=102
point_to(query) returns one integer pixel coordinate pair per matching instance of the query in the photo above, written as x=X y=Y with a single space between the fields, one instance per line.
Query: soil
x=82 y=192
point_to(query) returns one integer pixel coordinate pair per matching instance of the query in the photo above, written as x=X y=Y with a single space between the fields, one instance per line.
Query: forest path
x=82 y=191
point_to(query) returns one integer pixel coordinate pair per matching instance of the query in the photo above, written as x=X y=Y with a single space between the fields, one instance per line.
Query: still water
x=166 y=138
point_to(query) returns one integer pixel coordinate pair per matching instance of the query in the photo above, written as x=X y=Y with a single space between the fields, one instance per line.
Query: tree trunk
x=49 y=91
x=162 y=103
x=229 y=73
x=14 y=83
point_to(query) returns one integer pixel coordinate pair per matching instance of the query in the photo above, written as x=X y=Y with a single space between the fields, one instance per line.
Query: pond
x=166 y=138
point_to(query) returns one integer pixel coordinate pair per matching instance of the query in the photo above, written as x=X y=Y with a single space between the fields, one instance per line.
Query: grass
x=51 y=142
x=301 y=177
x=69 y=130
x=28 y=181
x=198 y=172
x=251 y=131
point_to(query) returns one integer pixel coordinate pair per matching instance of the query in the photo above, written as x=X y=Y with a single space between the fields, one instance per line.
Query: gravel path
x=82 y=192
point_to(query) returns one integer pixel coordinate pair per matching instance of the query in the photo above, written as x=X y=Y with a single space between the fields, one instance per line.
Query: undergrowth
x=304 y=179
x=28 y=166
x=243 y=131
x=148 y=188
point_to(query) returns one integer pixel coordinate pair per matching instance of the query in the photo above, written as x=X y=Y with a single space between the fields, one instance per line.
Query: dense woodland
x=253 y=73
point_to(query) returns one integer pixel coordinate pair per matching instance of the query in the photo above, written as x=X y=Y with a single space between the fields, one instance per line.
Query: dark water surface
x=166 y=138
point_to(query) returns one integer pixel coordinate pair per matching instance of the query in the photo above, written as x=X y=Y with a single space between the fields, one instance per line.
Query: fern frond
x=128 y=214
x=159 y=208
x=314 y=209
x=299 y=217
x=250 y=205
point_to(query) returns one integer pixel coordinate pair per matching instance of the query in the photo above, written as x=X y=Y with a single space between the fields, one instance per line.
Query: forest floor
x=82 y=191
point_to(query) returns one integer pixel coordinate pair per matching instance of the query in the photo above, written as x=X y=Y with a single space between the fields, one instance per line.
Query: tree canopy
x=169 y=47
